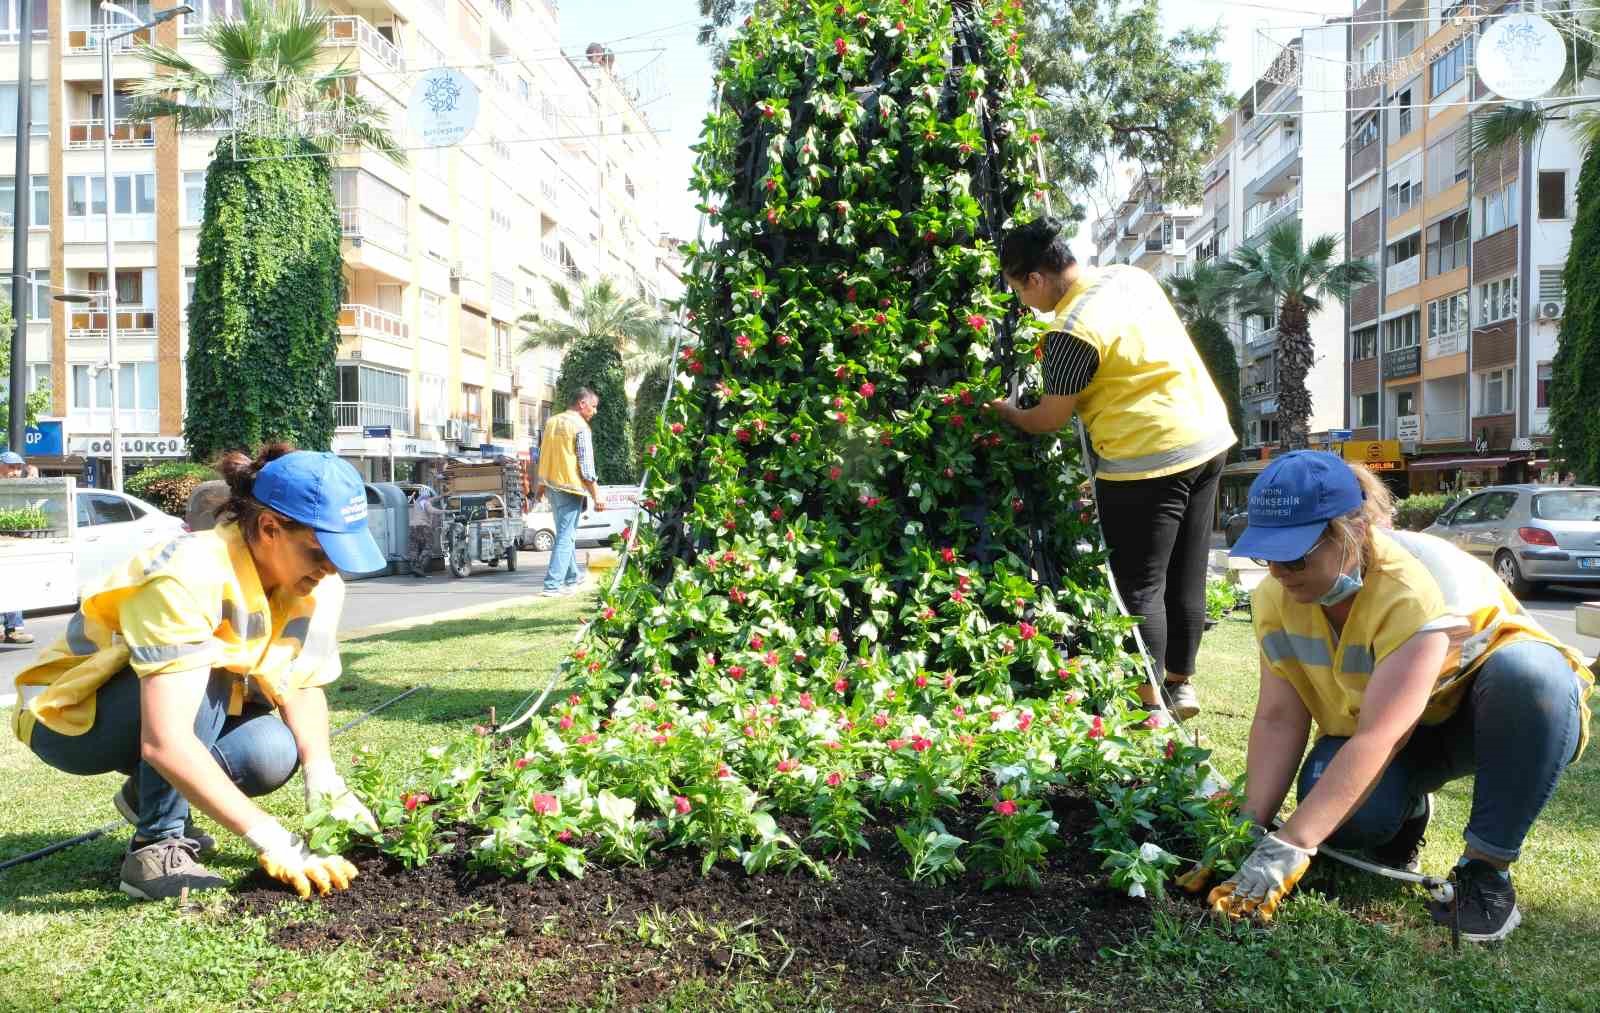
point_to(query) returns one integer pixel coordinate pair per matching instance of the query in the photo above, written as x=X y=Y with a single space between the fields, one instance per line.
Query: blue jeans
x=564 y=554
x=255 y=749
x=11 y=621
x=1516 y=731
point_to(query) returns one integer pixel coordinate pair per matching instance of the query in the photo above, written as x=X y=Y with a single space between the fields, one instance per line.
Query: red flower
x=872 y=501
x=697 y=366
x=588 y=740
x=772 y=217
x=681 y=804
x=899 y=26
x=886 y=440
x=677 y=428
x=1027 y=631
x=957 y=596
x=834 y=472
x=958 y=421
x=787 y=764
x=841 y=417
x=659 y=740
x=1005 y=807
x=609 y=613
x=835 y=779
x=1172 y=748
x=736 y=672
x=1023 y=721
x=879 y=318
x=966 y=149
x=861 y=19
x=768 y=111
x=1097 y=728
x=1017 y=505
x=777 y=513
x=840 y=373
x=868 y=389
x=895 y=744
x=1033 y=138
x=841 y=685
x=949 y=473
x=574 y=700
x=839 y=46
x=919 y=743
x=521 y=762
x=771 y=658
x=977 y=322
x=966 y=397
x=565 y=722
x=545 y=805
x=782 y=340
x=723 y=773
x=413 y=799
x=930 y=236
x=580 y=653
x=922 y=681
x=948 y=555
x=742 y=435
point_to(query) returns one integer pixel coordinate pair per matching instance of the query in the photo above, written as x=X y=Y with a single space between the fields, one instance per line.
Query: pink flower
x=588 y=740
x=835 y=779
x=922 y=681
x=565 y=722
x=787 y=764
x=723 y=773
x=881 y=719
x=1097 y=728
x=839 y=374
x=574 y=700
x=919 y=743
x=659 y=740
x=841 y=685
x=545 y=805
x=743 y=341
x=1172 y=748
x=840 y=46
x=609 y=613
x=806 y=703
x=681 y=804
x=895 y=743
x=736 y=672
x=880 y=319
x=771 y=658
x=960 y=712
x=565 y=837
x=977 y=322
x=1023 y=721
x=957 y=596
x=521 y=763
x=677 y=428
x=1155 y=720
x=868 y=389
x=413 y=799
x=1005 y=807
x=948 y=555
x=756 y=642
x=1027 y=631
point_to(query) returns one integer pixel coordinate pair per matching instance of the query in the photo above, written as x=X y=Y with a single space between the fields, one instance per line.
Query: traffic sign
x=1339 y=435
x=377 y=432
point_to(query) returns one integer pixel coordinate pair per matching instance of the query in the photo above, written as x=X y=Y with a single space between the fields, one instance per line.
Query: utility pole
x=22 y=192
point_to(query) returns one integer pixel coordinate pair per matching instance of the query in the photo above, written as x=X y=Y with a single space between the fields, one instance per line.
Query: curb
x=466 y=612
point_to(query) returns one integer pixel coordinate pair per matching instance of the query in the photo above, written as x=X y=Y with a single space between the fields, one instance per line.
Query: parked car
x=594 y=528
x=112 y=526
x=1530 y=534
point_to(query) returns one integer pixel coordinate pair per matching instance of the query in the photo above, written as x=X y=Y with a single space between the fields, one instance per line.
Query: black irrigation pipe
x=101 y=831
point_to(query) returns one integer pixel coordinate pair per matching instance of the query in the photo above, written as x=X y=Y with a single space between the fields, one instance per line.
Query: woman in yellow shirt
x=197 y=670
x=1419 y=668
x=1118 y=356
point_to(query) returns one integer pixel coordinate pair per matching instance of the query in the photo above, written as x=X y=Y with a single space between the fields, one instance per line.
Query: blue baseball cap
x=325 y=494
x=1291 y=503
x=10 y=457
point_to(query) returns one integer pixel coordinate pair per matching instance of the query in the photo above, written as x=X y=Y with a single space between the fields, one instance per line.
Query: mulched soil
x=868 y=927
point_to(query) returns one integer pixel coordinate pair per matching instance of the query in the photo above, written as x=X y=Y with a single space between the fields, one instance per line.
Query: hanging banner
x=1521 y=57
x=444 y=107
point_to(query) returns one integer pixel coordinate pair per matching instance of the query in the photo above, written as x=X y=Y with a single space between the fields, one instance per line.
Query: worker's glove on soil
x=1261 y=883
x=1200 y=875
x=286 y=859
x=323 y=784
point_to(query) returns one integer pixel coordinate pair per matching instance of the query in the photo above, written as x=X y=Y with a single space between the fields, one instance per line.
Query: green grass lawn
x=1346 y=941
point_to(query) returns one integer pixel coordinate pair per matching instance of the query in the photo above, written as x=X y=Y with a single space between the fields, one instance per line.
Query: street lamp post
x=108 y=104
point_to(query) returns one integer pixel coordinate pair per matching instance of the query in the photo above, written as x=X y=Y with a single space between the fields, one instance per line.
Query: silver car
x=1530 y=534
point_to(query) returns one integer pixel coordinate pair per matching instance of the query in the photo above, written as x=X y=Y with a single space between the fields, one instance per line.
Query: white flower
x=1136 y=890
x=1150 y=853
x=459 y=774
x=434 y=752
x=553 y=743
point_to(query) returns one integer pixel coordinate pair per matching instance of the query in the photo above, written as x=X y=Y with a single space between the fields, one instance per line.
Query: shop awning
x=1440 y=463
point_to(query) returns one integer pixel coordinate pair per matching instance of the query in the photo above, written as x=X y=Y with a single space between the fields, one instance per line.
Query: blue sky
x=661 y=34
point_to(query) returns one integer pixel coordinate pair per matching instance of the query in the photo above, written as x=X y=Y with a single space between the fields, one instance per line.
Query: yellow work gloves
x=286 y=859
x=323 y=784
x=1261 y=883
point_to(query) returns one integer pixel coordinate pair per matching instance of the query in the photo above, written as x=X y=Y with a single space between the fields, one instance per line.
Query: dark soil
x=876 y=935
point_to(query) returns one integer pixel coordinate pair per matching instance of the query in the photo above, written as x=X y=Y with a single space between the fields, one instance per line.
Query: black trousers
x=1159 y=534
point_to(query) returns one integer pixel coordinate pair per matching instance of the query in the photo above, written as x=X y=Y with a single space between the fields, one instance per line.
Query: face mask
x=1343 y=589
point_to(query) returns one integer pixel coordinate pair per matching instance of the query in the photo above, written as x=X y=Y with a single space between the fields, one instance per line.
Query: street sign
x=46 y=439
x=377 y=432
x=1408 y=427
x=1339 y=435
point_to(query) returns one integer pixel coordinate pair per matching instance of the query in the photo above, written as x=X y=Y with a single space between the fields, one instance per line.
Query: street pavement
x=368 y=603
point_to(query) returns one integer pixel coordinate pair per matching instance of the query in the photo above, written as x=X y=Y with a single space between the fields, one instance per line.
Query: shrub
x=1417 y=512
x=595 y=363
x=168 y=485
x=647 y=402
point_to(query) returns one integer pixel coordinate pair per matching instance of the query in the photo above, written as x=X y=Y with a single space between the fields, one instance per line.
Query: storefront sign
x=1408 y=427
x=132 y=446
x=1377 y=455
x=47 y=439
x=444 y=107
x=1521 y=57
x=1402 y=362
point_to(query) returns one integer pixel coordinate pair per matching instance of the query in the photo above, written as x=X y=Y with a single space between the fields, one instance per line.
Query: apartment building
x=1145 y=230
x=558 y=181
x=1449 y=352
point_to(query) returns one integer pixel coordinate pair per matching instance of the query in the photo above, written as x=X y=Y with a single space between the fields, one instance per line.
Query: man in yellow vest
x=566 y=469
x=1120 y=358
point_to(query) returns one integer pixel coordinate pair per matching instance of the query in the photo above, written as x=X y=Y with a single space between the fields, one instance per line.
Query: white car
x=594 y=528
x=112 y=527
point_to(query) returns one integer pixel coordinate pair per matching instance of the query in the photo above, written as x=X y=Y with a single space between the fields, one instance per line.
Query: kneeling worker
x=197 y=670
x=1419 y=668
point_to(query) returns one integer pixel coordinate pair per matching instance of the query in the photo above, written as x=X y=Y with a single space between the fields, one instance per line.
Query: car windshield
x=1576 y=505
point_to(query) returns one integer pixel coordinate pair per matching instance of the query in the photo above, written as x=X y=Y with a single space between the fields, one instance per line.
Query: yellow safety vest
x=192 y=602
x=1151 y=408
x=558 y=453
x=1416 y=583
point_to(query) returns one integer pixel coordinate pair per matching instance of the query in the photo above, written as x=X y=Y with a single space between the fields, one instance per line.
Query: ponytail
x=239 y=471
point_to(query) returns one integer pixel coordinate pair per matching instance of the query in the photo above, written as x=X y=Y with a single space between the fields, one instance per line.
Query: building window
x=1364 y=343
x=1447 y=245
x=39 y=286
x=1448 y=315
x=502 y=424
x=1365 y=133
x=1403 y=117
x=39 y=205
x=1497 y=300
x=1364 y=199
x=1449 y=161
x=1541 y=389
x=1405 y=186
x=1366 y=410
x=435 y=236
x=1552 y=194
x=1405 y=403
x=194 y=197
x=137 y=387
x=1404 y=250
x=130 y=286
x=189 y=276
x=1366 y=59
x=1498 y=210
x=1405 y=38
x=1448 y=69
x=38 y=112
x=472 y=403
x=433 y=328
x=1497 y=392
x=1401 y=332
x=133 y=194
x=373 y=386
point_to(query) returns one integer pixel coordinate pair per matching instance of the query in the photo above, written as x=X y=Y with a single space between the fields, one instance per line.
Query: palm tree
x=632 y=326
x=1285 y=278
x=1203 y=298
x=267 y=82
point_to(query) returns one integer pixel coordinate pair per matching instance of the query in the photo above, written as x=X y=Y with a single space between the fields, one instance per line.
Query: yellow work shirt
x=1417 y=583
x=559 y=466
x=192 y=602
x=1151 y=408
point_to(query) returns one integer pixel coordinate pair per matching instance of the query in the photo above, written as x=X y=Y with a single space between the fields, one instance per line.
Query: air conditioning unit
x=1522 y=443
x=1551 y=310
x=459 y=430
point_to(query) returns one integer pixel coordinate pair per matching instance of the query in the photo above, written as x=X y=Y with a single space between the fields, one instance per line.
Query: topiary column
x=596 y=364
x=264 y=322
x=1575 y=372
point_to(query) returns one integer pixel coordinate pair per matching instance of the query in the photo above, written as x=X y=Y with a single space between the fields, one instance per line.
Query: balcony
x=1403 y=275
x=89 y=320
x=89 y=135
x=356 y=320
x=1441 y=345
x=1261 y=218
x=1259 y=389
x=1444 y=425
x=362 y=225
x=82 y=40
x=1259 y=343
x=1273 y=165
x=355 y=415
x=349 y=30
x=500 y=430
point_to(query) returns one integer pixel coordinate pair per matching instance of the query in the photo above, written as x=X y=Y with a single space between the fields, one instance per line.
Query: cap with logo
x=1291 y=503
x=325 y=494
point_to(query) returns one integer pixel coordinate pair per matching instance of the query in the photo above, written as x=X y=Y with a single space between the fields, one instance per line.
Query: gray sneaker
x=1182 y=700
x=162 y=869
x=127 y=802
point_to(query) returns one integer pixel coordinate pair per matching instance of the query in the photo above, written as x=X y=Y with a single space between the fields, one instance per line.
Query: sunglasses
x=1292 y=565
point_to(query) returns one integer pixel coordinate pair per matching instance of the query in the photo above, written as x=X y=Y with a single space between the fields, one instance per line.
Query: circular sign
x=444 y=107
x=1521 y=57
